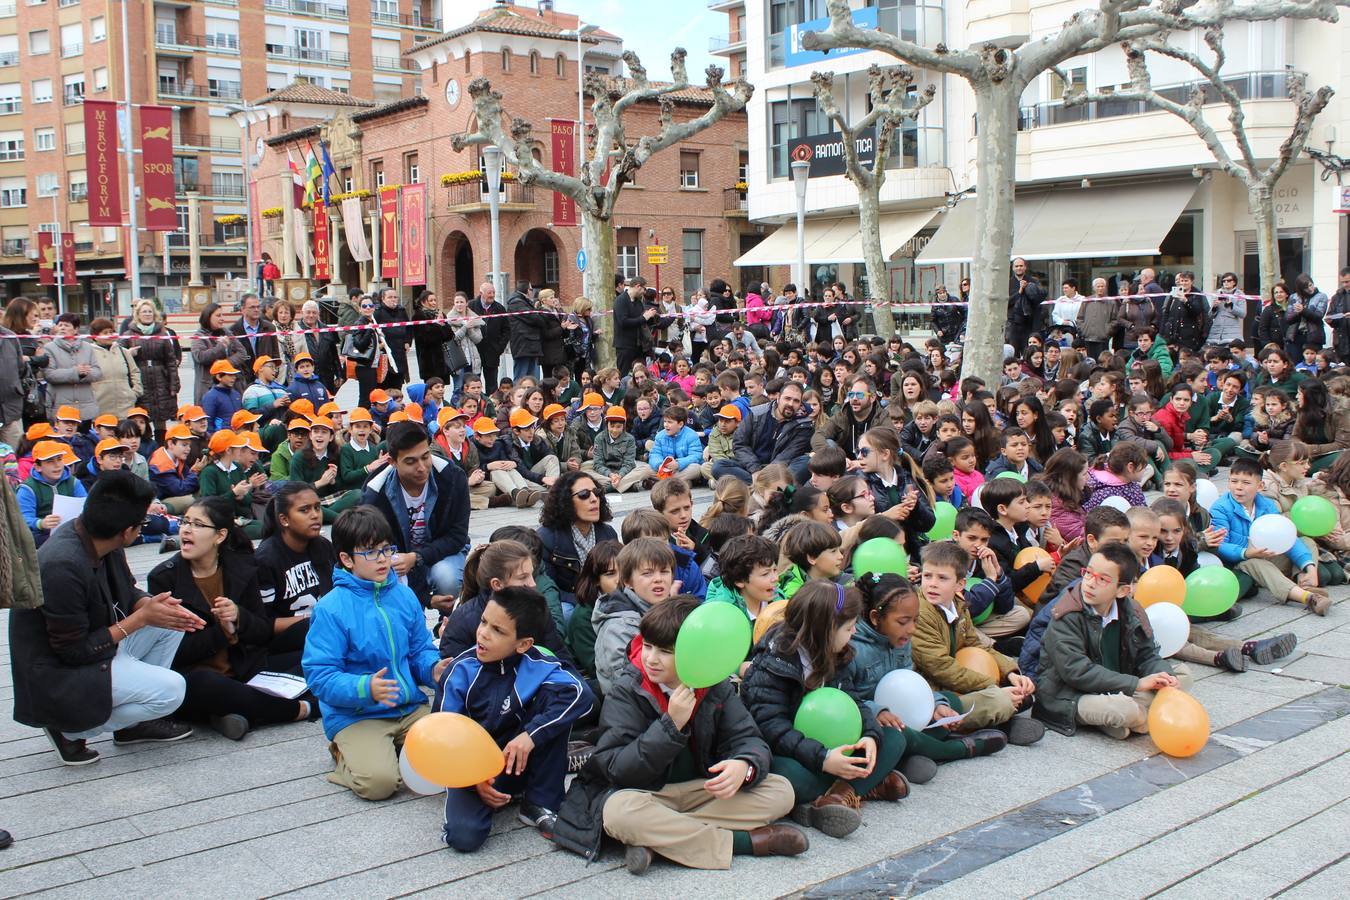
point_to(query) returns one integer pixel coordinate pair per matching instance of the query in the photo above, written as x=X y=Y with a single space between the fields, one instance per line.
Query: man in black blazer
x=256 y=334
x=631 y=315
x=496 y=333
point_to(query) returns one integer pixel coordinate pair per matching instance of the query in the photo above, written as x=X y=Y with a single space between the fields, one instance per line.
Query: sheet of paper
x=949 y=720
x=67 y=508
x=279 y=684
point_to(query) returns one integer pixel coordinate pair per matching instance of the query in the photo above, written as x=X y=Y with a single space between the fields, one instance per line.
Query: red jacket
x=1175 y=426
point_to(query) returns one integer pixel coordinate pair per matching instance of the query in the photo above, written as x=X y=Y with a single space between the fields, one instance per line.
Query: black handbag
x=454 y=356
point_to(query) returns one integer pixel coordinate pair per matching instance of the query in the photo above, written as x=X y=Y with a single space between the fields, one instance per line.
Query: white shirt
x=1065 y=311
x=1111 y=614
x=949 y=612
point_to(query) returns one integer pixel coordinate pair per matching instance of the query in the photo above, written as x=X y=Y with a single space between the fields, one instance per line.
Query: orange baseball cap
x=414 y=411
x=398 y=416
x=303 y=407
x=107 y=420
x=329 y=408
x=323 y=422
x=138 y=411
x=68 y=414
x=221 y=441
x=178 y=433
x=243 y=417
x=617 y=413
x=300 y=423
x=223 y=367
x=522 y=418
x=449 y=413
x=729 y=412
x=38 y=430
x=378 y=396
x=591 y=401
x=182 y=411
x=45 y=450
x=485 y=426
x=302 y=356
x=108 y=444
x=360 y=414
x=193 y=413
x=554 y=409
x=257 y=363
x=251 y=440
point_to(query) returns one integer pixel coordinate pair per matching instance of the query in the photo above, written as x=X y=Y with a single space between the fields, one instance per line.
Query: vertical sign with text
x=389 y=234
x=414 y=254
x=161 y=212
x=321 y=253
x=100 y=144
x=67 y=258
x=564 y=162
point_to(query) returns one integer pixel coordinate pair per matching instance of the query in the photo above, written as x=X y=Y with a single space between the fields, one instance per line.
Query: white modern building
x=1103 y=189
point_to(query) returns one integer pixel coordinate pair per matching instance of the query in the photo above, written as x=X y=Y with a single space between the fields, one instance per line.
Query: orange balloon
x=977 y=659
x=1031 y=594
x=1160 y=584
x=1178 y=723
x=769 y=616
x=452 y=750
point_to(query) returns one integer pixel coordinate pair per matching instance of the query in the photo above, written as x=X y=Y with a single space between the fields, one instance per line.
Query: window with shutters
x=688 y=169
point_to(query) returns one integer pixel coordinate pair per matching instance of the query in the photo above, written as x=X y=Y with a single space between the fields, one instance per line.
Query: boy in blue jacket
x=51 y=475
x=1235 y=512
x=678 y=442
x=527 y=701
x=367 y=652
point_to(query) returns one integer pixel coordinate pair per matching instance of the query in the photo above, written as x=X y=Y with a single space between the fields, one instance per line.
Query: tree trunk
x=996 y=108
x=878 y=279
x=1261 y=202
x=599 y=279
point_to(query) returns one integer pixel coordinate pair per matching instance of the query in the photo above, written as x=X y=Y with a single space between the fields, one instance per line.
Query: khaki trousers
x=508 y=481
x=1014 y=621
x=365 y=754
x=706 y=471
x=1203 y=645
x=548 y=467
x=686 y=824
x=987 y=708
x=640 y=473
x=692 y=474
x=179 y=505
x=1125 y=710
x=1275 y=574
x=481 y=493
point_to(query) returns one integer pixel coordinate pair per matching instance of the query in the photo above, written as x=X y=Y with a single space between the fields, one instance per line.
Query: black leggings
x=209 y=693
x=367 y=380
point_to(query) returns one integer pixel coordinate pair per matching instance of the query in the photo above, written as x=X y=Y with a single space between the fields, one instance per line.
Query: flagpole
x=60 y=257
x=134 y=256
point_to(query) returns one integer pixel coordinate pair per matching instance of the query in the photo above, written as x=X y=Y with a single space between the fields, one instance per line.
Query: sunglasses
x=856 y=395
x=864 y=452
x=586 y=494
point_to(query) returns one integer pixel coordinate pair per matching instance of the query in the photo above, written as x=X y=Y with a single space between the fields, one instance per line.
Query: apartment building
x=202 y=57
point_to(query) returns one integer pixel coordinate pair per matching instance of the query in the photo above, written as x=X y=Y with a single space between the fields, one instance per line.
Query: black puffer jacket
x=527 y=328
x=792 y=440
x=773 y=688
x=639 y=744
x=1185 y=320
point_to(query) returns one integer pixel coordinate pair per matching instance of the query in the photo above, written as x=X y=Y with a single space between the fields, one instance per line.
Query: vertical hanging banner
x=161 y=212
x=389 y=234
x=100 y=144
x=321 y=250
x=46 y=258
x=414 y=254
x=354 y=224
x=67 y=258
x=564 y=162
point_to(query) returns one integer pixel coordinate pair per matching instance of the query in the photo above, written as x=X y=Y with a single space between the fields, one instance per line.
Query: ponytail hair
x=731 y=496
x=281 y=503
x=1282 y=452
x=791 y=500
x=488 y=561
x=880 y=592
x=1124 y=454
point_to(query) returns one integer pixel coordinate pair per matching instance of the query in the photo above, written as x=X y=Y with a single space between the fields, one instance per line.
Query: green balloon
x=988 y=610
x=1314 y=517
x=712 y=644
x=830 y=716
x=880 y=556
x=1016 y=476
x=1210 y=591
x=946 y=521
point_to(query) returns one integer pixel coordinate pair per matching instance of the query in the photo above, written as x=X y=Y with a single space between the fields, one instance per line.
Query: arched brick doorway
x=457 y=263
x=537 y=259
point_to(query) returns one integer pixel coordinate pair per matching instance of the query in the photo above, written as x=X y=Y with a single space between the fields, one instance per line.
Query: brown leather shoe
x=497 y=501
x=837 y=812
x=778 y=840
x=893 y=787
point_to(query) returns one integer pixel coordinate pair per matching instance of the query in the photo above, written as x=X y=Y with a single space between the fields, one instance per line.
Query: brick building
x=684 y=198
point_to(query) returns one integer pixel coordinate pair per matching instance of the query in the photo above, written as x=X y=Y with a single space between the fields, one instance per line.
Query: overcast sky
x=650 y=29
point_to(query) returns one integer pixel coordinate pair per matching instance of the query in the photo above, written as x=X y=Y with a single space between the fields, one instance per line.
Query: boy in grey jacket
x=614 y=455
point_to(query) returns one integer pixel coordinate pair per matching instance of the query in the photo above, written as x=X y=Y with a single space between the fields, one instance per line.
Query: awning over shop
x=833 y=240
x=1072 y=223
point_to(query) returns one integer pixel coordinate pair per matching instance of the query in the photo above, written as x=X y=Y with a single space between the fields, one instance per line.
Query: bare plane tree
x=999 y=76
x=1259 y=179
x=595 y=193
x=891 y=105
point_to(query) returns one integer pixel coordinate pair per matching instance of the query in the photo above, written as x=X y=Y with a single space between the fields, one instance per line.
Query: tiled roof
x=304 y=92
x=506 y=20
x=309 y=131
x=390 y=108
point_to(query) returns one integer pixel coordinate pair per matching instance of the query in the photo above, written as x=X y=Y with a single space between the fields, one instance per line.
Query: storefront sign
x=321 y=272
x=825 y=152
x=100 y=143
x=389 y=234
x=414 y=255
x=797 y=55
x=564 y=162
x=161 y=212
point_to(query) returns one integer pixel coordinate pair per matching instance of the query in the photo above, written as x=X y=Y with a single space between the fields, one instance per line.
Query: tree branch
x=515 y=146
x=888 y=90
x=843 y=33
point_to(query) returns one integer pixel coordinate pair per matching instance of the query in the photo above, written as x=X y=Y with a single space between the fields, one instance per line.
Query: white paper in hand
x=279 y=684
x=67 y=508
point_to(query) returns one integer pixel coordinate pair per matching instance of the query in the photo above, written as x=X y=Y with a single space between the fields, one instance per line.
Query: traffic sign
x=581 y=260
x=657 y=254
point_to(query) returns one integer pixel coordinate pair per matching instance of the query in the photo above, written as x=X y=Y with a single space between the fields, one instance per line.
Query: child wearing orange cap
x=502 y=465
x=174 y=478
x=452 y=443
x=615 y=455
x=317 y=464
x=306 y=383
x=39 y=431
x=362 y=454
x=297 y=437
x=223 y=399
x=266 y=396
x=51 y=475
x=223 y=476
x=553 y=427
x=538 y=464
x=583 y=431
x=728 y=419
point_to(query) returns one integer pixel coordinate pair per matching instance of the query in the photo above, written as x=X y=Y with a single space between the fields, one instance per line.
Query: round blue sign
x=581 y=260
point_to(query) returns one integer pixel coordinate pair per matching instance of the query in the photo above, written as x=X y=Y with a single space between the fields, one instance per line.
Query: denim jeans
x=144 y=687
x=445 y=577
x=730 y=467
x=525 y=365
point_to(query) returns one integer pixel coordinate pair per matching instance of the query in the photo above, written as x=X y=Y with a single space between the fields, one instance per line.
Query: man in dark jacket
x=96 y=656
x=1338 y=317
x=847 y=426
x=258 y=335
x=721 y=299
x=1185 y=317
x=632 y=316
x=496 y=333
x=677 y=771
x=1025 y=296
x=527 y=329
x=323 y=346
x=778 y=432
x=426 y=502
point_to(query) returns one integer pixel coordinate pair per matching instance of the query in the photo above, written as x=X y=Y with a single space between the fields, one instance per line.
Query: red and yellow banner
x=161 y=212
x=389 y=234
x=414 y=254
x=100 y=145
x=564 y=162
x=67 y=258
x=321 y=254
x=46 y=258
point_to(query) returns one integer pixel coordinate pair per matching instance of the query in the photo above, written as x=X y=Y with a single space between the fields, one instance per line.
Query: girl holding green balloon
x=1302 y=499
x=828 y=745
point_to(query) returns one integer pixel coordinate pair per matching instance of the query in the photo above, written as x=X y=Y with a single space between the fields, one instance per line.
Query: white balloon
x=1171 y=628
x=1273 y=532
x=1206 y=493
x=1207 y=559
x=906 y=693
x=414 y=782
x=1119 y=503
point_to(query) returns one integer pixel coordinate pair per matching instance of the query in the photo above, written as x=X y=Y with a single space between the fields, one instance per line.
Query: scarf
x=584 y=543
x=144 y=329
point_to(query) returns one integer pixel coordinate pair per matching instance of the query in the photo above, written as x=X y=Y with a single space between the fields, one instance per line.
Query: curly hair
x=557 y=511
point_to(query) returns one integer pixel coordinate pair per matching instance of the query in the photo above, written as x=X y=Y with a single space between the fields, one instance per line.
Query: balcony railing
x=308 y=54
x=9 y=59
x=74 y=148
x=71 y=98
x=79 y=193
x=416 y=20
x=226 y=91
x=475 y=193
x=388 y=63
x=74 y=49
x=721 y=43
x=1249 y=86
x=172 y=37
x=209 y=141
x=309 y=8
x=734 y=200
x=181 y=239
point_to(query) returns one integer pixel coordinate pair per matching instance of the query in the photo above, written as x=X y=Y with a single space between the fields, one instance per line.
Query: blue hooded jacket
x=1029 y=660
x=689 y=574
x=357 y=629
x=685 y=447
x=526 y=692
x=1228 y=513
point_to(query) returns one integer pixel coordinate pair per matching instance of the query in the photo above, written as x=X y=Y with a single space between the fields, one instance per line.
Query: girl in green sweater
x=317 y=464
x=223 y=476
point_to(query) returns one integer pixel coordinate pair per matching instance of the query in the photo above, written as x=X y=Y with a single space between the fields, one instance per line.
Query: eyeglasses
x=1097 y=577
x=195 y=525
x=387 y=552
x=856 y=395
x=863 y=496
x=864 y=452
x=586 y=494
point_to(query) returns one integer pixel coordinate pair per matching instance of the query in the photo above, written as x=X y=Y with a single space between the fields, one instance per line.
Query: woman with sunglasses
x=215 y=576
x=366 y=343
x=573 y=520
x=1229 y=310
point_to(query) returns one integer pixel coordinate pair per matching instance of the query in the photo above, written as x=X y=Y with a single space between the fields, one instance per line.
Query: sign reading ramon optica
x=825 y=152
x=797 y=55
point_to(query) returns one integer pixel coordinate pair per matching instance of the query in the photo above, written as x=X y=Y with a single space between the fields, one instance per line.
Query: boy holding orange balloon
x=1006 y=501
x=1099 y=663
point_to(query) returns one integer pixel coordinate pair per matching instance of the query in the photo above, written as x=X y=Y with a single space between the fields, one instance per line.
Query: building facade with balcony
x=685 y=198
x=201 y=57
x=1081 y=171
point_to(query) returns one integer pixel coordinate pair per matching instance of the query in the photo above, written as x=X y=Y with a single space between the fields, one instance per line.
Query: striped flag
x=297 y=181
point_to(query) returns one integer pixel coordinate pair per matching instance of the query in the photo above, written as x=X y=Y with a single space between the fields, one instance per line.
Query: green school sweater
x=352 y=465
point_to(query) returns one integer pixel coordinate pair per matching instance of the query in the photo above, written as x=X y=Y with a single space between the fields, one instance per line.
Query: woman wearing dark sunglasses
x=572 y=521
x=366 y=359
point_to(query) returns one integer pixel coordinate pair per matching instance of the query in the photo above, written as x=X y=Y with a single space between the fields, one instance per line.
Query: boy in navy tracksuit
x=527 y=701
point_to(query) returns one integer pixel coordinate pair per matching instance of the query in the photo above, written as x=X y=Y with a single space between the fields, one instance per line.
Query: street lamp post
x=244 y=115
x=492 y=159
x=800 y=169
